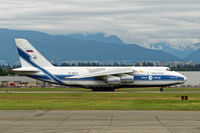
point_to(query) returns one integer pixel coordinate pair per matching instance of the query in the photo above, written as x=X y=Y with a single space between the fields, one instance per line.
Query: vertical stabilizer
x=29 y=56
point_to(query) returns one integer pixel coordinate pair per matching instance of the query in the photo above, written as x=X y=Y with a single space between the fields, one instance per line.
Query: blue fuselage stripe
x=158 y=77
x=27 y=58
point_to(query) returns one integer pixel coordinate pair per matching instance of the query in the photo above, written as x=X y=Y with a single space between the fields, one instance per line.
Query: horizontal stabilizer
x=25 y=70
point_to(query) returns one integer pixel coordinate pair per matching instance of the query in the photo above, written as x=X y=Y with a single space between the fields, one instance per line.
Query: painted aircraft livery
x=36 y=66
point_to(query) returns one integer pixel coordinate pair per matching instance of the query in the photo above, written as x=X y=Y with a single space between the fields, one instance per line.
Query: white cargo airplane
x=36 y=66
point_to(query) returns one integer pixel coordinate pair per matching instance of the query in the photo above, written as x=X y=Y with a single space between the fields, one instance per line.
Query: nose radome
x=185 y=78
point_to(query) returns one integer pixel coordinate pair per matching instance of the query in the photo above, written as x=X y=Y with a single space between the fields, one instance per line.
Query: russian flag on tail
x=29 y=51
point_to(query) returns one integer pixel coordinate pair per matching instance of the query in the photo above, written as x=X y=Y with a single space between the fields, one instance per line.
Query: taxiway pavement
x=45 y=121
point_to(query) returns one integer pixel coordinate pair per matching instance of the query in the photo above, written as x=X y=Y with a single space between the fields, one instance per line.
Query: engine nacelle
x=113 y=80
x=127 y=79
x=121 y=79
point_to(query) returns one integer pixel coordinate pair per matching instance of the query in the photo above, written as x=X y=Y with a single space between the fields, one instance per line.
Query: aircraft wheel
x=96 y=89
x=109 y=89
x=103 y=89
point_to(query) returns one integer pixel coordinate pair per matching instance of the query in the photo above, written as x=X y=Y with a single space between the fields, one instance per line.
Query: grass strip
x=99 y=101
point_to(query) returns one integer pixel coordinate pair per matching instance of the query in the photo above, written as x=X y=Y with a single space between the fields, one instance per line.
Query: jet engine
x=113 y=80
x=127 y=78
x=119 y=79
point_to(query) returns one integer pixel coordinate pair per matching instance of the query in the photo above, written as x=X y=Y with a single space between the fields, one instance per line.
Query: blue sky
x=176 y=22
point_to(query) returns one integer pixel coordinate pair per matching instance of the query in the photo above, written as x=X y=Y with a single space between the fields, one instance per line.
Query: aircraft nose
x=185 y=78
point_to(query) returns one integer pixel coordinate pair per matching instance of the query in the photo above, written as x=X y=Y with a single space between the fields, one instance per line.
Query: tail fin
x=29 y=56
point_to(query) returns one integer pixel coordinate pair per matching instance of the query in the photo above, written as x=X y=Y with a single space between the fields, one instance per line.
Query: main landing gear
x=103 y=89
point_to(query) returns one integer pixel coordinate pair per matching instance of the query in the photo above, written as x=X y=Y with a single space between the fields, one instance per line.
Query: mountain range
x=78 y=47
x=183 y=52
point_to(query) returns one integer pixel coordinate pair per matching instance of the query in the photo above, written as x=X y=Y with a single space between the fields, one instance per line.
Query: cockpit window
x=168 y=69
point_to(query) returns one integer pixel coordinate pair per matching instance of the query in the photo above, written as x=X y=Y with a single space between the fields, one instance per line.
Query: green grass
x=99 y=101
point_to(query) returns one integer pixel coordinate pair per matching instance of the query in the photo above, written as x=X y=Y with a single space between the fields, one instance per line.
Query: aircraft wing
x=103 y=72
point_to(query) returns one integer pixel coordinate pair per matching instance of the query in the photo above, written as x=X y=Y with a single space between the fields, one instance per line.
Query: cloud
x=176 y=22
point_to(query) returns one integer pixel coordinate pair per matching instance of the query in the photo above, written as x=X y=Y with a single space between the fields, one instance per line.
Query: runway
x=44 y=121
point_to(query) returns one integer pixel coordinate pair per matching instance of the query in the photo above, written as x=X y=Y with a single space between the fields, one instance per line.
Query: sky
x=175 y=22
